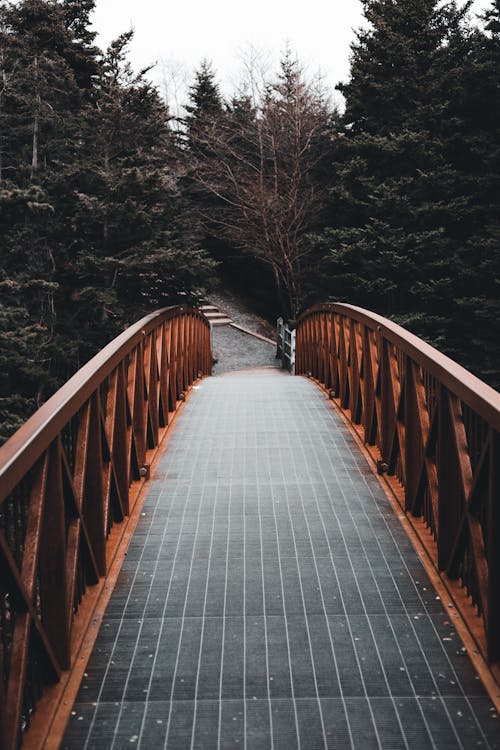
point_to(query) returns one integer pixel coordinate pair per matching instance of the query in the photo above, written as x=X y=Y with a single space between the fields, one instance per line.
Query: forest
x=110 y=207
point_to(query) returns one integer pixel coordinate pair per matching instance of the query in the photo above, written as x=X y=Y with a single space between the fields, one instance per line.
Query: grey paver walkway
x=271 y=599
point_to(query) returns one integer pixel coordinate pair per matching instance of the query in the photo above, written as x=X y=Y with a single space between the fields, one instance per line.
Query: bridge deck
x=271 y=599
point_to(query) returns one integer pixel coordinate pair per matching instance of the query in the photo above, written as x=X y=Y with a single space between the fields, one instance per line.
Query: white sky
x=183 y=33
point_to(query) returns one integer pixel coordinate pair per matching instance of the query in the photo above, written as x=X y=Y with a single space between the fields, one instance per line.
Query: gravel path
x=234 y=349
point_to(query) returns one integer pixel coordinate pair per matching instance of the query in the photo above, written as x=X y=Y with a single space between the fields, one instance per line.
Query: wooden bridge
x=302 y=562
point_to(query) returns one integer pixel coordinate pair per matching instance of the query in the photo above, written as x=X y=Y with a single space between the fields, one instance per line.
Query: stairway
x=214 y=315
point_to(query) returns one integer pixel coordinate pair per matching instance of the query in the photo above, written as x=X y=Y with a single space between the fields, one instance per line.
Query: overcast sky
x=182 y=33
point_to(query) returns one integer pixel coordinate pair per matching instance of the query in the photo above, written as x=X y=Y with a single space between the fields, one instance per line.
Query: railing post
x=493 y=549
x=454 y=473
x=52 y=559
x=414 y=408
x=342 y=364
x=386 y=410
x=368 y=387
x=280 y=338
x=292 y=351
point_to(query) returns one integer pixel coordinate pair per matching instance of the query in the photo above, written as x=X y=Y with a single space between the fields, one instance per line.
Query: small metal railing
x=285 y=350
x=433 y=428
x=66 y=478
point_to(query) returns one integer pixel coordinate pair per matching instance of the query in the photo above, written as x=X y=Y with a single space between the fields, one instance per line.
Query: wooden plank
x=493 y=621
x=52 y=556
x=454 y=473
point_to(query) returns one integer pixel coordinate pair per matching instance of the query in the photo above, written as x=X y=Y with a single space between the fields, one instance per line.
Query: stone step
x=220 y=321
x=214 y=315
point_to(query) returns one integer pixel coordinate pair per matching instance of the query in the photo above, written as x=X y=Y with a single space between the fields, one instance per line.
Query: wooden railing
x=66 y=477
x=433 y=428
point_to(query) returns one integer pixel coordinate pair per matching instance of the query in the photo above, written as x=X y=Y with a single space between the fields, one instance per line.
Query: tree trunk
x=282 y=299
x=2 y=92
x=105 y=228
x=36 y=123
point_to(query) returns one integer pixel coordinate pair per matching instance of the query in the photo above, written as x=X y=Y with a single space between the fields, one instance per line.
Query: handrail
x=285 y=346
x=66 y=477
x=433 y=428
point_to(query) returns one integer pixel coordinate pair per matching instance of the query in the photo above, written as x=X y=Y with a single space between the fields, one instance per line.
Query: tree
x=262 y=166
x=404 y=212
x=205 y=105
x=94 y=229
x=478 y=300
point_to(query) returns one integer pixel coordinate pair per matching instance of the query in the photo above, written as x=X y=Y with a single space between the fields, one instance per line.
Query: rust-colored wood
x=52 y=558
x=95 y=509
x=4 y=735
x=354 y=369
x=493 y=551
x=76 y=511
x=21 y=637
x=12 y=581
x=390 y=391
x=424 y=420
x=472 y=506
x=115 y=429
x=110 y=417
x=454 y=473
x=137 y=395
x=163 y=357
x=343 y=370
x=421 y=471
x=152 y=390
x=172 y=340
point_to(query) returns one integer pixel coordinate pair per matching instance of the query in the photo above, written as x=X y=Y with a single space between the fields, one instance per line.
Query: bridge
x=253 y=559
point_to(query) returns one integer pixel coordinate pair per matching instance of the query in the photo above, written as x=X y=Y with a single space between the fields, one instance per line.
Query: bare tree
x=175 y=82
x=263 y=163
x=253 y=75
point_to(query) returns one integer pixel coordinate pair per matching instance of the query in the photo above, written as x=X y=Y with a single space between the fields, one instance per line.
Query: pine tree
x=478 y=296
x=94 y=230
x=39 y=111
x=205 y=104
x=403 y=205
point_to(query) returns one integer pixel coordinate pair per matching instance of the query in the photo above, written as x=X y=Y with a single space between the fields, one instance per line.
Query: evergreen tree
x=94 y=230
x=205 y=104
x=403 y=206
x=478 y=293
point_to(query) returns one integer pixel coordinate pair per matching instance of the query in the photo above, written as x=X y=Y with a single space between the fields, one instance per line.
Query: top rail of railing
x=19 y=453
x=432 y=427
x=67 y=476
x=473 y=391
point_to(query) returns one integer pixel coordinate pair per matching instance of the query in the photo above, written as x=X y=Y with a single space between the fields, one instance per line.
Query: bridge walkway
x=270 y=597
